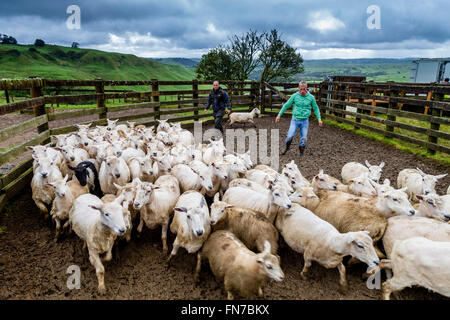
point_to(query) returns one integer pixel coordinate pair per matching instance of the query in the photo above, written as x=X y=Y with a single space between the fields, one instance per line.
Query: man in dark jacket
x=218 y=99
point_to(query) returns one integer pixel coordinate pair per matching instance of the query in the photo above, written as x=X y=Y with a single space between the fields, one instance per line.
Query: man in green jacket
x=302 y=101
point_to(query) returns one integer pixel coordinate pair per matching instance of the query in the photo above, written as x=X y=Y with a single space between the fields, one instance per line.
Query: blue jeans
x=295 y=125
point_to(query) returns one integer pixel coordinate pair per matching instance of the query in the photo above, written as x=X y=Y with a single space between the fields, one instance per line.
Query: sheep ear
x=387 y=182
x=351 y=181
x=441 y=176
x=419 y=197
x=66 y=177
x=217 y=197
x=180 y=209
x=155 y=187
x=321 y=171
x=48 y=185
x=421 y=172
x=266 y=246
x=117 y=186
x=229 y=206
x=35 y=157
x=99 y=208
x=367 y=163
x=29 y=147
x=403 y=189
x=381 y=165
x=260 y=260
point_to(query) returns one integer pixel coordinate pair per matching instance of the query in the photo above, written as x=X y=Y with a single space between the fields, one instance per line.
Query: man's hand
x=204 y=111
x=320 y=123
x=228 y=111
x=277 y=119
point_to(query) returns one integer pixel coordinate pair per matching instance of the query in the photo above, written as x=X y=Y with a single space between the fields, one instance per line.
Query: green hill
x=50 y=61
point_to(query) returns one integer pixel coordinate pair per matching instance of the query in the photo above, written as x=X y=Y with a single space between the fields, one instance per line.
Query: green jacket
x=302 y=106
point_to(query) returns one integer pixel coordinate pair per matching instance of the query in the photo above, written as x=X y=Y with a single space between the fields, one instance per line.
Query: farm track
x=32 y=266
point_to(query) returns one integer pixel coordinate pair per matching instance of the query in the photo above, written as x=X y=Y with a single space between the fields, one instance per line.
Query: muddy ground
x=32 y=266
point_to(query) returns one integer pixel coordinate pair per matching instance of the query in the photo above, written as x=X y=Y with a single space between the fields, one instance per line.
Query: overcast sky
x=188 y=28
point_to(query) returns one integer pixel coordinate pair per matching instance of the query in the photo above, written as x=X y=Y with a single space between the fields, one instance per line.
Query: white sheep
x=46 y=172
x=418 y=261
x=65 y=194
x=243 y=117
x=98 y=224
x=191 y=223
x=113 y=170
x=156 y=203
x=432 y=206
x=352 y=170
x=417 y=182
x=320 y=241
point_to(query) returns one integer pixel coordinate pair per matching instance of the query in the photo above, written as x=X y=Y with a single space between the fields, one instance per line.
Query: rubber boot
x=288 y=145
x=302 y=150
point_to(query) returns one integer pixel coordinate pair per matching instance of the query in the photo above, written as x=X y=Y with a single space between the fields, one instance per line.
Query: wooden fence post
x=253 y=94
x=100 y=88
x=155 y=98
x=391 y=106
x=435 y=126
x=263 y=99
x=6 y=95
x=195 y=97
x=39 y=110
x=269 y=99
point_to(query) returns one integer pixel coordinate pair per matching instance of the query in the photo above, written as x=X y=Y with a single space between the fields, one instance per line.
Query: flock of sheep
x=100 y=182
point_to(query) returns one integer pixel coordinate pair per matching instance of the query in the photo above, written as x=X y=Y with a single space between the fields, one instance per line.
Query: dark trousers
x=218 y=120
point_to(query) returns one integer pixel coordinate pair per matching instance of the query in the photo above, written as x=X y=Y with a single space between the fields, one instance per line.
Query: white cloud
x=323 y=21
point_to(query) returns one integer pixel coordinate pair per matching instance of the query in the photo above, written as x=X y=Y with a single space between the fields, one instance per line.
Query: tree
x=278 y=59
x=75 y=44
x=243 y=51
x=5 y=39
x=39 y=43
x=217 y=64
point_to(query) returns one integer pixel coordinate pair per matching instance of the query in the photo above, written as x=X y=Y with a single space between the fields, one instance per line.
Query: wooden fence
x=347 y=102
x=243 y=96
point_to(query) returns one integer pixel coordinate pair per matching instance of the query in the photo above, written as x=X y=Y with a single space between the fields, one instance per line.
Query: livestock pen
x=137 y=272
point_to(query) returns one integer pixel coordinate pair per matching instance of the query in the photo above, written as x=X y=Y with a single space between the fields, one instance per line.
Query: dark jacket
x=218 y=99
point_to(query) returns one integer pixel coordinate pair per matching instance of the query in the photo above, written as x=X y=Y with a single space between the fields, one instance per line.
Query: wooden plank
x=20 y=84
x=434 y=126
x=75 y=114
x=22 y=127
x=100 y=89
x=20 y=148
x=17 y=185
x=395 y=135
x=21 y=105
x=3 y=201
x=67 y=129
x=15 y=172
x=135 y=116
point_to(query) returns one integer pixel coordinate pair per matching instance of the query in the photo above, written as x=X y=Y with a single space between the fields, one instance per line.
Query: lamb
x=163 y=126
x=191 y=223
x=214 y=152
x=65 y=194
x=46 y=172
x=243 y=117
x=113 y=170
x=352 y=170
x=291 y=171
x=267 y=177
x=323 y=181
x=252 y=228
x=242 y=271
x=404 y=227
x=417 y=182
x=418 y=261
x=320 y=241
x=268 y=204
x=46 y=152
x=143 y=168
x=98 y=224
x=432 y=206
x=156 y=203
x=73 y=156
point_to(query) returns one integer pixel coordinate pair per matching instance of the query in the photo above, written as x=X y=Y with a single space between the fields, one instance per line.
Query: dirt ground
x=32 y=266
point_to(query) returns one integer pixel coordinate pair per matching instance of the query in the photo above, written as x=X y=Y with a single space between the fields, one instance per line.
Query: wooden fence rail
x=370 y=102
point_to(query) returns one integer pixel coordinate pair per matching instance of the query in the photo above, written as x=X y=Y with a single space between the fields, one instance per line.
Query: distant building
x=430 y=70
